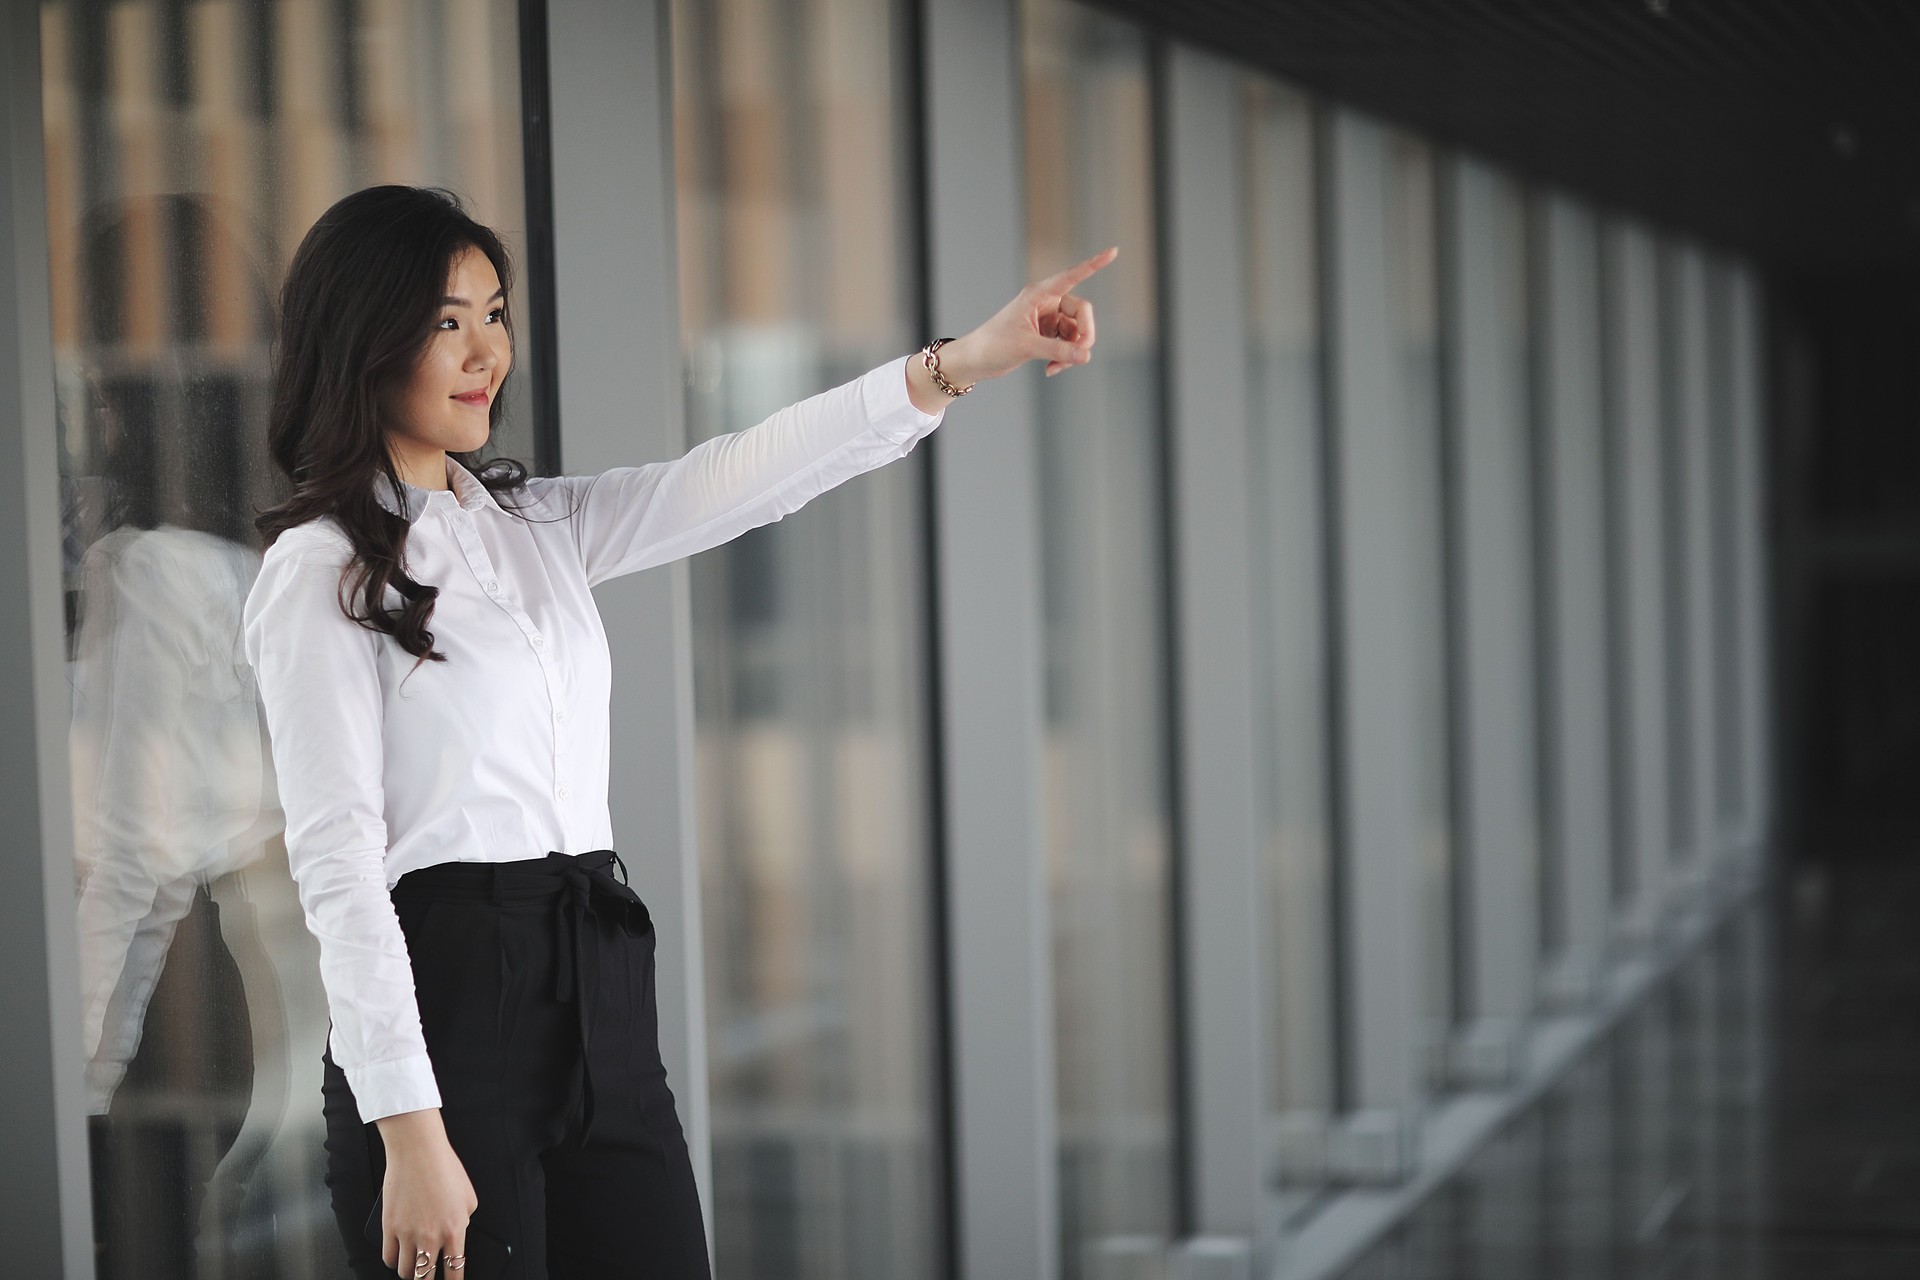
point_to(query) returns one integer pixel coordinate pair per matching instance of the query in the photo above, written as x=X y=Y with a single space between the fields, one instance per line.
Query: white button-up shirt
x=500 y=752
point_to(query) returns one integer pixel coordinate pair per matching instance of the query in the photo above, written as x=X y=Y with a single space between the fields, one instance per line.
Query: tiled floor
x=1758 y=1117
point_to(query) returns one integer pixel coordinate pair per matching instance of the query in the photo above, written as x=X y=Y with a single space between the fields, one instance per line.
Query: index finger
x=1073 y=275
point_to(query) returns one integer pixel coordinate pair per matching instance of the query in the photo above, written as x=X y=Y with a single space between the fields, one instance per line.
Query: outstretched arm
x=626 y=519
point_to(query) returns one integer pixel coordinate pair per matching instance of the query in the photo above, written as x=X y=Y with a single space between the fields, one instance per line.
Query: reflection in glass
x=1089 y=178
x=188 y=148
x=810 y=653
x=1654 y=1154
x=1290 y=620
x=1412 y=261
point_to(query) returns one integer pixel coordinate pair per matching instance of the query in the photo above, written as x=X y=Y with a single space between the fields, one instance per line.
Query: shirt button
x=560 y=791
x=492 y=585
x=538 y=641
x=560 y=717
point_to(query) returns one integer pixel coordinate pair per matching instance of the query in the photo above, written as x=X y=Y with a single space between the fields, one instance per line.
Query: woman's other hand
x=1044 y=321
x=426 y=1196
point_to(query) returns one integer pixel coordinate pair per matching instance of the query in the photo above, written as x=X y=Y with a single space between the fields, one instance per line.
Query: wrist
x=926 y=393
x=957 y=363
x=411 y=1130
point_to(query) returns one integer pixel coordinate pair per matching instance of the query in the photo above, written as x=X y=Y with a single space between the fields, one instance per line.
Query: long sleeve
x=632 y=518
x=320 y=684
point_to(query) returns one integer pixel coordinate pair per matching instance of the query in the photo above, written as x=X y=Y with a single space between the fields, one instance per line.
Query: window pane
x=1290 y=620
x=810 y=652
x=189 y=147
x=1090 y=180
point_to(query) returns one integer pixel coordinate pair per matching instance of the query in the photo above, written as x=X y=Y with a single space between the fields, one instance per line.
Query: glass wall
x=810 y=651
x=190 y=143
x=1413 y=272
x=1090 y=176
x=1289 y=591
x=189 y=147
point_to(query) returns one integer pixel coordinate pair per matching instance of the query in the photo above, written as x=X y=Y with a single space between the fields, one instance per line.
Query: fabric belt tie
x=587 y=905
x=589 y=894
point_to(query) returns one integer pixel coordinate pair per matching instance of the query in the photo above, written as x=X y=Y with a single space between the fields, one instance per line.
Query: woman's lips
x=472 y=397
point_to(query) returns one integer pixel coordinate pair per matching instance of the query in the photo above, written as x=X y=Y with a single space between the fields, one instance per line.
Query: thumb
x=1061 y=350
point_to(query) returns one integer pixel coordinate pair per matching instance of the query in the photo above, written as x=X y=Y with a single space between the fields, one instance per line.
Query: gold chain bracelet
x=929 y=356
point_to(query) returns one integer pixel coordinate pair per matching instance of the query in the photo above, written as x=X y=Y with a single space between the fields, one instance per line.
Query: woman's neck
x=423 y=467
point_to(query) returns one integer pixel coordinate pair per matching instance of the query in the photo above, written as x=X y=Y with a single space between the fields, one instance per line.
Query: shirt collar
x=465 y=489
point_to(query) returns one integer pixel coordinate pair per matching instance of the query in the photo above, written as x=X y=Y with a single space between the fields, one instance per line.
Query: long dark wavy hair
x=356 y=313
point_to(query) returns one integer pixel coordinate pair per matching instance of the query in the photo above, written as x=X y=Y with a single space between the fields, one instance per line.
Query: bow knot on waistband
x=588 y=888
x=590 y=910
x=590 y=898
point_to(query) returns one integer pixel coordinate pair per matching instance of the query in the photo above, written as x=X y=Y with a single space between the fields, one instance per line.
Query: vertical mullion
x=1493 y=635
x=614 y=240
x=1213 y=647
x=1694 y=561
x=1750 y=558
x=46 y=1204
x=1634 y=373
x=988 y=638
x=536 y=142
x=1573 y=478
x=1379 y=798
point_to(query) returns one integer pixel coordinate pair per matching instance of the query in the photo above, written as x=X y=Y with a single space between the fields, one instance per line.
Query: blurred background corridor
x=1404 y=766
x=1748 y=1117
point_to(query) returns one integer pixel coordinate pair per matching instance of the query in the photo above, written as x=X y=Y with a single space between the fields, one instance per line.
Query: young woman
x=436 y=679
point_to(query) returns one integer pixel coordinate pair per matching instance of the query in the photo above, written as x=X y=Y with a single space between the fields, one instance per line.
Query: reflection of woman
x=175 y=802
x=493 y=1059
x=172 y=785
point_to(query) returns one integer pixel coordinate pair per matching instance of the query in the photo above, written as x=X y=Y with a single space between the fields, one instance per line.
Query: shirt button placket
x=559 y=753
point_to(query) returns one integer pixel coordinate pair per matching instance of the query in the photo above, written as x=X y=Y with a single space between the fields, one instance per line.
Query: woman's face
x=444 y=405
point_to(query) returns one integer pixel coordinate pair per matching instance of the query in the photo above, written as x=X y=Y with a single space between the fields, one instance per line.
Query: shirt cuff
x=388 y=1088
x=884 y=393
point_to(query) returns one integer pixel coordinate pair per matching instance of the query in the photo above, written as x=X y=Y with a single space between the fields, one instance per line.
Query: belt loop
x=498 y=892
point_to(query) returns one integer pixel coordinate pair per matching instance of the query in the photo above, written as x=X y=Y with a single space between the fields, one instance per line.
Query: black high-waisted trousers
x=536 y=991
